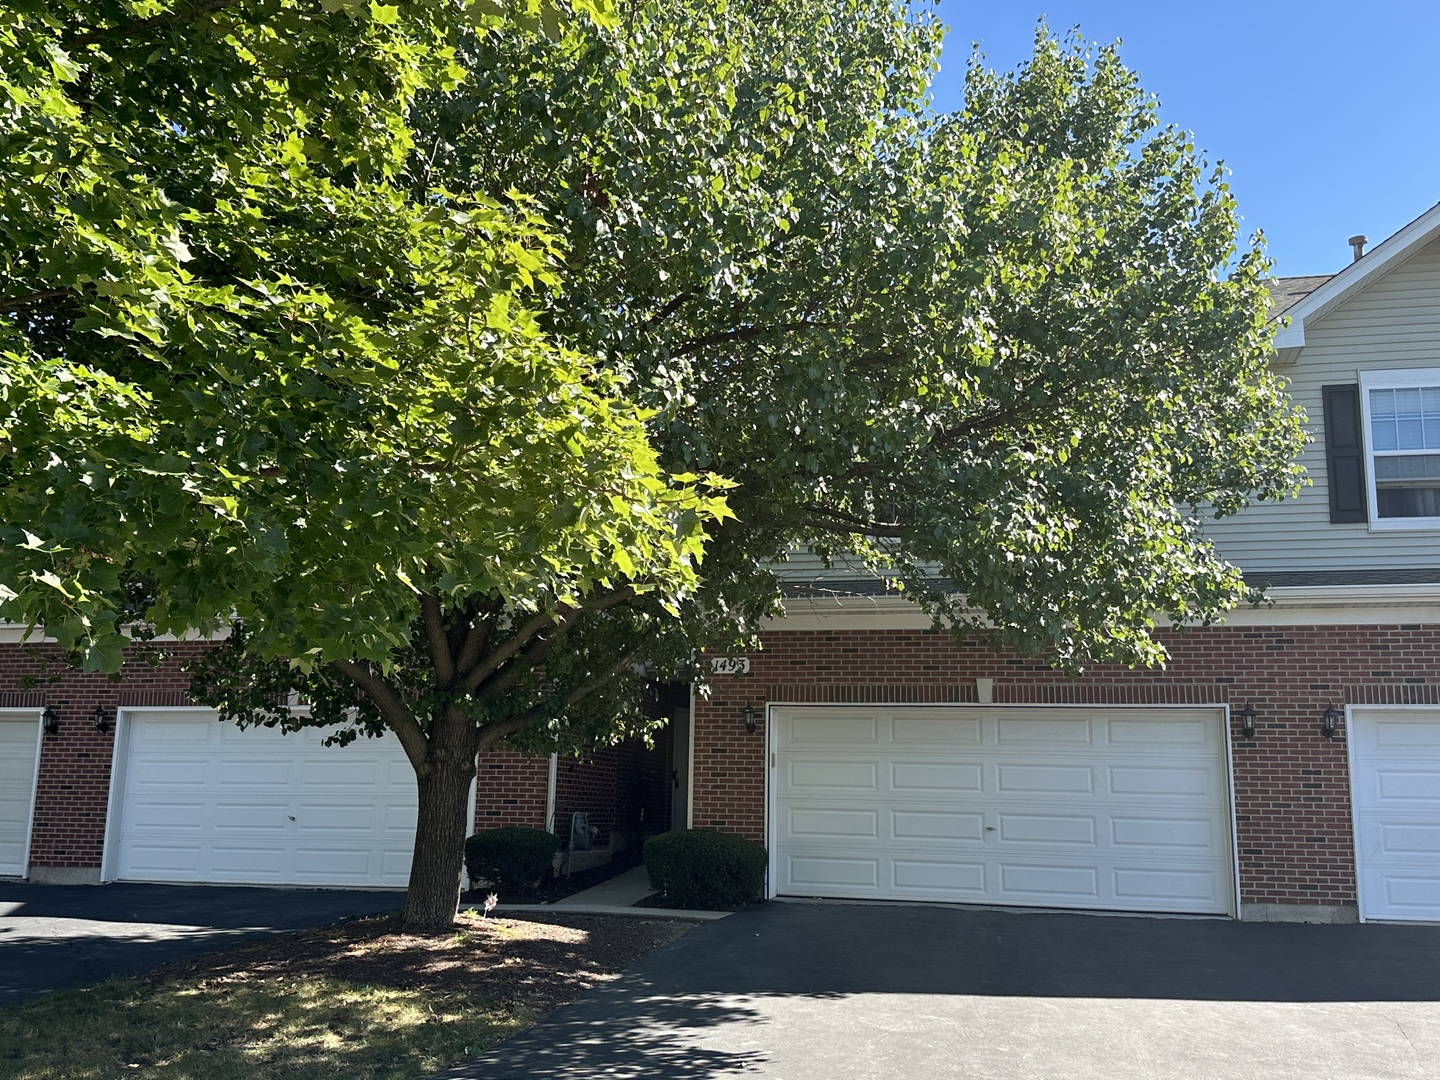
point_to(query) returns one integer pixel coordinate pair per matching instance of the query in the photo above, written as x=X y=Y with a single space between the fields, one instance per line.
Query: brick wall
x=511 y=789
x=1292 y=795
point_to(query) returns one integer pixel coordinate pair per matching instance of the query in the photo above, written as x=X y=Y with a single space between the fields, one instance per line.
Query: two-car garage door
x=1121 y=809
x=203 y=801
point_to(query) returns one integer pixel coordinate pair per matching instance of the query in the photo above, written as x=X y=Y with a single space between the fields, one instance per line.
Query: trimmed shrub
x=700 y=868
x=512 y=860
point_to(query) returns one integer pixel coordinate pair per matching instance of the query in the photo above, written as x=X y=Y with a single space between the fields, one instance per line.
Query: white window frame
x=1386 y=380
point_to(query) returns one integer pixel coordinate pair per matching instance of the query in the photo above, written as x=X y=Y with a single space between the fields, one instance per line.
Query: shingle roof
x=1285 y=292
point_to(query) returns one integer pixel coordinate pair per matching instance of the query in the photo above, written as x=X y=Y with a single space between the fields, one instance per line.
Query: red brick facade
x=1292 y=794
x=1292 y=791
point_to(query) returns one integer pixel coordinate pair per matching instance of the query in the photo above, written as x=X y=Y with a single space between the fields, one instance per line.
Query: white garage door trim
x=1366 y=814
x=20 y=718
x=115 y=827
x=1225 y=898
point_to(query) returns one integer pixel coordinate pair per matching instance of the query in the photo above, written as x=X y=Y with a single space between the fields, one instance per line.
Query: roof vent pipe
x=1357 y=245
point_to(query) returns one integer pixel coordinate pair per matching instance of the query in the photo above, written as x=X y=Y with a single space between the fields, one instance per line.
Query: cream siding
x=1393 y=324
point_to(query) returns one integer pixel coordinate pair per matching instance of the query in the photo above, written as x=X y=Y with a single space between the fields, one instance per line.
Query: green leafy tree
x=1013 y=354
x=408 y=344
x=252 y=373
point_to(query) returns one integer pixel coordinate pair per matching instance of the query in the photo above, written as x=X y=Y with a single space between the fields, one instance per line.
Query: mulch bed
x=538 y=960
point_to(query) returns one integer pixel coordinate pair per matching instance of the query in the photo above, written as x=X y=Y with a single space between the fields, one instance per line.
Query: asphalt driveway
x=58 y=936
x=831 y=992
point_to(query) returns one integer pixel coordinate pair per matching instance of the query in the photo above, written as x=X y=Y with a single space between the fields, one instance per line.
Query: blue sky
x=1326 y=113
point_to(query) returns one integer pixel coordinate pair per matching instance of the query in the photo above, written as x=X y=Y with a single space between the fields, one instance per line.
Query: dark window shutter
x=1344 y=454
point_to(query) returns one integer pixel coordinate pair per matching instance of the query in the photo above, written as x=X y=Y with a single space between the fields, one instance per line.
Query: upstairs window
x=1402 y=429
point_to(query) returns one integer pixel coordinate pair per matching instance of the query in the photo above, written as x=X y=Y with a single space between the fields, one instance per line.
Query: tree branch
x=538 y=622
x=744 y=333
x=15 y=303
x=493 y=733
x=397 y=714
x=139 y=26
x=433 y=615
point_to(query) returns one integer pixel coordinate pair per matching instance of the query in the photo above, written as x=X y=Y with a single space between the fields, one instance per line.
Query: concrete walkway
x=618 y=896
x=794 y=991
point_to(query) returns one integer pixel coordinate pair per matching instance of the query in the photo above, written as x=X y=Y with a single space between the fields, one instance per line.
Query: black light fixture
x=1330 y=722
x=1247 y=721
x=50 y=720
x=752 y=716
x=98 y=718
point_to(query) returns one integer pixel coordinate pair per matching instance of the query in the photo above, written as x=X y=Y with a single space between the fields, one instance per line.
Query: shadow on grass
x=225 y=1029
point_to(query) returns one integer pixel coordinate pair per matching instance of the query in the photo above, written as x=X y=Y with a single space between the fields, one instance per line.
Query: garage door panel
x=1045 y=779
x=833 y=775
x=1025 y=881
x=936 y=825
x=275 y=775
x=1166 y=833
x=1142 y=733
x=909 y=730
x=1046 y=829
x=1395 y=778
x=1168 y=781
x=1028 y=814
x=1409 y=785
x=818 y=730
x=820 y=872
x=1160 y=885
x=929 y=776
x=204 y=801
x=949 y=879
x=1074 y=732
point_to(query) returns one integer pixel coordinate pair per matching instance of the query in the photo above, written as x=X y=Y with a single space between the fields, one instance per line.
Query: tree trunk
x=434 y=891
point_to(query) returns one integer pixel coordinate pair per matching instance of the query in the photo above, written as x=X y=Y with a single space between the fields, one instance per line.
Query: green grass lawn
x=271 y=1027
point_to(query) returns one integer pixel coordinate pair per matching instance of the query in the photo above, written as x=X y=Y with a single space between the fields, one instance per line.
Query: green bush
x=699 y=868
x=512 y=860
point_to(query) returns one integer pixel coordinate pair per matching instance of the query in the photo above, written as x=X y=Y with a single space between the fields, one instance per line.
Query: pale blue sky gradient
x=1327 y=114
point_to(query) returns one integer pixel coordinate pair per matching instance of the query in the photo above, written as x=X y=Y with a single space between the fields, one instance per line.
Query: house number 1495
x=730 y=665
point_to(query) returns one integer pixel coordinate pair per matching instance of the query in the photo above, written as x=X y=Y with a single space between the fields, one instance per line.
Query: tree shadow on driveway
x=58 y=936
x=796 y=990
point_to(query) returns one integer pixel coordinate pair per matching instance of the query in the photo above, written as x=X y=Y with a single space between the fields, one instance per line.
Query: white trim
x=772 y=861
x=119 y=760
x=38 y=716
x=1220 y=708
x=1229 y=743
x=1354 y=812
x=1385 y=379
x=690 y=765
x=551 y=782
x=1303 y=605
x=1378 y=261
x=15 y=634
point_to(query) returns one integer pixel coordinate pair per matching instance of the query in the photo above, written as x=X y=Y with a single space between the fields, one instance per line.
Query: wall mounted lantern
x=98 y=718
x=50 y=720
x=1247 y=721
x=752 y=716
x=1330 y=722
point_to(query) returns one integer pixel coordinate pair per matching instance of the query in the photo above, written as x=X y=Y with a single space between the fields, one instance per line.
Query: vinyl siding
x=1393 y=324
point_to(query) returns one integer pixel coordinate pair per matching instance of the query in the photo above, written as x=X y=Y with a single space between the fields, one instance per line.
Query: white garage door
x=207 y=802
x=19 y=743
x=1121 y=809
x=1395 y=777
